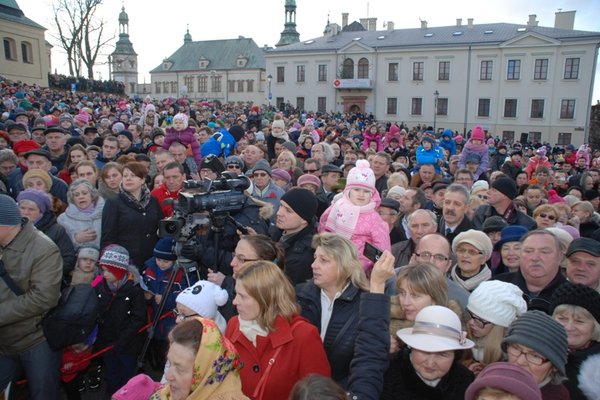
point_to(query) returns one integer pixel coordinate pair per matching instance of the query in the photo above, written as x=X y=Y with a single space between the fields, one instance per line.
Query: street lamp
x=269 y=79
x=436 y=94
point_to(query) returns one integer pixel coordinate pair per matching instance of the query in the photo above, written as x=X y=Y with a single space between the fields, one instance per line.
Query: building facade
x=230 y=70
x=123 y=61
x=26 y=54
x=517 y=81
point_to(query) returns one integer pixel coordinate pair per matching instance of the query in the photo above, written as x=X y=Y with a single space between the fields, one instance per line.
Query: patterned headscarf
x=216 y=369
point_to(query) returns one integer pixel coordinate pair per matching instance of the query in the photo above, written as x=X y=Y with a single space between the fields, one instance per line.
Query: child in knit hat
x=157 y=273
x=475 y=147
x=86 y=269
x=355 y=217
x=182 y=133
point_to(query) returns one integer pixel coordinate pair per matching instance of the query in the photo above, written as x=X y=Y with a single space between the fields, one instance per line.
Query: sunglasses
x=233 y=166
x=549 y=216
x=260 y=174
x=310 y=171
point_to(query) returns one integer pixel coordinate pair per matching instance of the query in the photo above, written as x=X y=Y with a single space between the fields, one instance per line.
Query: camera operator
x=251 y=214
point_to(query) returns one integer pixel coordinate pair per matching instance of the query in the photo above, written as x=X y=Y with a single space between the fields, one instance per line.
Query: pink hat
x=140 y=387
x=361 y=176
x=281 y=174
x=508 y=377
x=554 y=198
x=478 y=133
x=182 y=117
x=309 y=179
x=458 y=138
x=82 y=117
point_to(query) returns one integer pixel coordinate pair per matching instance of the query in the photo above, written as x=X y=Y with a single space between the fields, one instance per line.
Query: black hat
x=38 y=128
x=515 y=152
x=494 y=223
x=127 y=134
x=587 y=245
x=16 y=126
x=439 y=184
x=577 y=295
x=303 y=202
x=390 y=203
x=506 y=186
x=75 y=140
x=54 y=129
x=213 y=163
x=591 y=194
x=90 y=129
x=38 y=152
x=237 y=132
x=331 y=168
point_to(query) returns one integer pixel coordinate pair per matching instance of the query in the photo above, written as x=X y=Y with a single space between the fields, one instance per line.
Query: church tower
x=289 y=34
x=123 y=61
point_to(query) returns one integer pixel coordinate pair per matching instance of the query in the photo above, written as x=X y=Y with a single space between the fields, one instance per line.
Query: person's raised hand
x=382 y=271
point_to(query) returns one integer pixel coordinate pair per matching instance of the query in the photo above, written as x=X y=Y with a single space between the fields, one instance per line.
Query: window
x=486 y=70
x=240 y=85
x=215 y=83
x=279 y=103
x=322 y=73
x=513 y=72
x=27 y=52
x=157 y=87
x=540 y=71
x=537 y=108
x=571 y=68
x=363 y=68
x=188 y=81
x=535 y=137
x=10 y=49
x=444 y=71
x=416 y=106
x=280 y=74
x=418 y=70
x=173 y=87
x=393 y=72
x=567 y=109
x=442 y=106
x=165 y=87
x=300 y=73
x=250 y=85
x=202 y=84
x=322 y=104
x=392 y=105
x=483 y=108
x=348 y=69
x=300 y=103
x=508 y=136
x=510 y=108
x=231 y=86
x=564 y=138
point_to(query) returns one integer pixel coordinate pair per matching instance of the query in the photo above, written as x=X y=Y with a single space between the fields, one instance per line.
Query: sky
x=157 y=31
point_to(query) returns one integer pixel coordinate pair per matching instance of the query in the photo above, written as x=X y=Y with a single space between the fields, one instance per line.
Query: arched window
x=348 y=69
x=363 y=68
x=10 y=48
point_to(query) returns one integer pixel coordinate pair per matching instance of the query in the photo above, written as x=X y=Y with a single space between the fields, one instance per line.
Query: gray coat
x=74 y=221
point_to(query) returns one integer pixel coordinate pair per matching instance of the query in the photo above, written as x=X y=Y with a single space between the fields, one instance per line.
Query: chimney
x=532 y=20
x=423 y=24
x=564 y=20
x=390 y=26
x=372 y=24
x=470 y=22
x=458 y=21
x=344 y=20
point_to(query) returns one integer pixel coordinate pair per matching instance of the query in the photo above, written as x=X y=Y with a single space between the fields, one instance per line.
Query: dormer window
x=167 y=65
x=203 y=63
x=241 y=61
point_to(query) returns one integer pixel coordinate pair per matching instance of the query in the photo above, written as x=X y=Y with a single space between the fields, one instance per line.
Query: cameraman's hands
x=192 y=251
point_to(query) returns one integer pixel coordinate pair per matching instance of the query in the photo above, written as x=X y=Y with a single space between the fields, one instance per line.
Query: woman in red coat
x=276 y=345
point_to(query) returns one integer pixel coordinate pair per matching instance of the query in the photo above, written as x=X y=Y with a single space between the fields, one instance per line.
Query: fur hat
x=497 y=302
x=478 y=133
x=361 y=176
x=10 y=215
x=302 y=201
x=115 y=258
x=589 y=376
x=182 y=117
x=165 y=249
x=508 y=377
x=478 y=239
x=203 y=298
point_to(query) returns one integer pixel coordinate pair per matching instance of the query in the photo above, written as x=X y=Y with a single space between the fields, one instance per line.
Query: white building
x=517 y=81
x=123 y=60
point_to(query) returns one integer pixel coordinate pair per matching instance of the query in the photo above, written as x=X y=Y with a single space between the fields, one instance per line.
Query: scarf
x=251 y=329
x=474 y=281
x=343 y=216
x=216 y=369
x=144 y=196
x=89 y=209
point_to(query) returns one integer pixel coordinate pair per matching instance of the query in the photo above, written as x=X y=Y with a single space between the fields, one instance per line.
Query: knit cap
x=540 y=332
x=302 y=201
x=506 y=186
x=203 y=298
x=235 y=160
x=480 y=240
x=164 y=249
x=399 y=190
x=278 y=122
x=82 y=117
x=361 y=176
x=262 y=165
x=508 y=377
x=9 y=211
x=554 y=198
x=494 y=223
x=541 y=151
x=115 y=258
x=183 y=118
x=497 y=302
x=281 y=174
x=118 y=127
x=479 y=185
x=37 y=173
x=478 y=133
x=90 y=253
x=428 y=137
x=237 y=132
x=576 y=295
x=41 y=199
x=127 y=134
x=309 y=179
x=140 y=387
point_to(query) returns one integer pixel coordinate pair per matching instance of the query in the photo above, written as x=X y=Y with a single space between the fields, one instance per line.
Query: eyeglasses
x=260 y=174
x=482 y=196
x=426 y=256
x=531 y=357
x=241 y=258
x=383 y=214
x=233 y=166
x=310 y=171
x=549 y=216
x=181 y=316
x=480 y=322
x=470 y=252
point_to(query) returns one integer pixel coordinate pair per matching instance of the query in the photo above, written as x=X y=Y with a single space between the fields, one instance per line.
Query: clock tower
x=123 y=61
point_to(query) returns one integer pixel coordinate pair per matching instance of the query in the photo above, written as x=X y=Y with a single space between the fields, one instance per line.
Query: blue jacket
x=449 y=145
x=432 y=156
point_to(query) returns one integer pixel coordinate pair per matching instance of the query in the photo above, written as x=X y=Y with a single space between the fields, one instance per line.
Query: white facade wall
x=463 y=89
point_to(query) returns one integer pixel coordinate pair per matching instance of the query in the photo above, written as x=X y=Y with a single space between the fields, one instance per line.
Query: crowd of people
x=315 y=255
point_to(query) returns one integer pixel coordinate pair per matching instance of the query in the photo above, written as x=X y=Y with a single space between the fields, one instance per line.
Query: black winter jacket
x=518 y=218
x=342 y=329
x=126 y=223
x=299 y=253
x=48 y=225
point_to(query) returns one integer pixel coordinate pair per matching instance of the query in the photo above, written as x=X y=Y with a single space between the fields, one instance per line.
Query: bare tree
x=80 y=33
